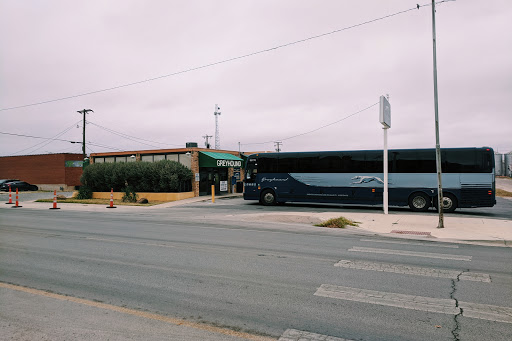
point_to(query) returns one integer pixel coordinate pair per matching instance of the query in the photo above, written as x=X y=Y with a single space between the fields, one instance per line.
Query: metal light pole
x=438 y=148
x=217 y=134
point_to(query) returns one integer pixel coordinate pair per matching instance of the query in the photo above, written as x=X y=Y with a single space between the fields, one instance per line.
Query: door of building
x=211 y=176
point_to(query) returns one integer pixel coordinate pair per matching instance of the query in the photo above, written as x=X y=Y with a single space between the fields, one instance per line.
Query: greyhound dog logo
x=366 y=179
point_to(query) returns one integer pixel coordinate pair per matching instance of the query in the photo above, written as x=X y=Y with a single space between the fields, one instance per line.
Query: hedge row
x=161 y=177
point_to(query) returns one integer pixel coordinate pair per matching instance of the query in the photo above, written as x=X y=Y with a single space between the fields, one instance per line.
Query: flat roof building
x=221 y=168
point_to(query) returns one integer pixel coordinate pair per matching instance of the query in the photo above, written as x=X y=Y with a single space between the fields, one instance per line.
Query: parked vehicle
x=2 y=181
x=20 y=185
x=356 y=177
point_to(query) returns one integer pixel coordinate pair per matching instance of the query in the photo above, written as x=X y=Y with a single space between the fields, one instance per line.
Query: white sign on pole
x=385 y=120
x=385 y=112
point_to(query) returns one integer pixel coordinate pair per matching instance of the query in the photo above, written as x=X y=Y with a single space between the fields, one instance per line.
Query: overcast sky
x=57 y=49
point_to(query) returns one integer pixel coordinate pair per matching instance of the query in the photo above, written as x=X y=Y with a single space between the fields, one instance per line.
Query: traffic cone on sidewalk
x=10 y=196
x=54 y=201
x=111 y=199
x=17 y=204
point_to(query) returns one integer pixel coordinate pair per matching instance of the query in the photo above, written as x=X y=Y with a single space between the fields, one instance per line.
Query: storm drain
x=418 y=233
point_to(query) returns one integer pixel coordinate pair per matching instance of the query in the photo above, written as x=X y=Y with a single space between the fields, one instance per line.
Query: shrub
x=161 y=176
x=84 y=193
x=340 y=222
x=129 y=194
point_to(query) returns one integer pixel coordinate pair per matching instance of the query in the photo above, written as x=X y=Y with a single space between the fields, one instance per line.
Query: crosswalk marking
x=300 y=335
x=411 y=253
x=435 y=305
x=413 y=270
x=411 y=243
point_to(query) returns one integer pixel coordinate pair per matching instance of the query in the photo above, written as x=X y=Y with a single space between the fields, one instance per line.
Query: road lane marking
x=411 y=253
x=410 y=243
x=434 y=305
x=300 y=335
x=143 y=314
x=413 y=270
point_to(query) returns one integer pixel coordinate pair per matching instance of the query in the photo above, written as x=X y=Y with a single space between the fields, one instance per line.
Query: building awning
x=219 y=160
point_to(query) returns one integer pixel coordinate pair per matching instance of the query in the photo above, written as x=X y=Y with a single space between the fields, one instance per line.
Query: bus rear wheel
x=449 y=202
x=419 y=202
x=268 y=197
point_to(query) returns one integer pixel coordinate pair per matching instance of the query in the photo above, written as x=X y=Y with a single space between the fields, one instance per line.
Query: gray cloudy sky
x=52 y=49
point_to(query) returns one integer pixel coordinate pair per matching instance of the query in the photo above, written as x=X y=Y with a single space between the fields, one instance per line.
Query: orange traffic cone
x=17 y=204
x=54 y=201
x=111 y=199
x=10 y=196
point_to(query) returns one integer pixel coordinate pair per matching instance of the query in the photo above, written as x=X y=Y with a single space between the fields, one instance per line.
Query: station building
x=221 y=168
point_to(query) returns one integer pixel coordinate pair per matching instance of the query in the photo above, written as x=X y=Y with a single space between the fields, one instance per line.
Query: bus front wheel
x=268 y=197
x=419 y=202
x=449 y=202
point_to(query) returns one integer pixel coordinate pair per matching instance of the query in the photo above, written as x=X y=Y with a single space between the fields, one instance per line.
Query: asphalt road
x=197 y=264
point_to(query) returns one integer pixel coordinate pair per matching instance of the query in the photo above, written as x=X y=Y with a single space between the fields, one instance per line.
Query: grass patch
x=502 y=193
x=340 y=222
x=100 y=202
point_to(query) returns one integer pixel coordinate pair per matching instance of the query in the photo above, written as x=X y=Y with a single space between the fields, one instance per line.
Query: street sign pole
x=385 y=120
x=385 y=194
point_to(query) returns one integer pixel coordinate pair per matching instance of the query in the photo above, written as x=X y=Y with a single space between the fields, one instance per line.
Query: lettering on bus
x=229 y=163
x=273 y=179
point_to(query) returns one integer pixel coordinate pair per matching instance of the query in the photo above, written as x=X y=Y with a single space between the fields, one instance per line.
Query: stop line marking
x=411 y=253
x=413 y=270
x=434 y=305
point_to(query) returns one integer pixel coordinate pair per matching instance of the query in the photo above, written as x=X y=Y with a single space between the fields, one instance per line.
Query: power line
x=37 y=137
x=222 y=61
x=129 y=137
x=44 y=143
x=311 y=131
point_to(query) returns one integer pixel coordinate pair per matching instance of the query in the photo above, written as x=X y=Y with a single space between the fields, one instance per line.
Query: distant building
x=48 y=171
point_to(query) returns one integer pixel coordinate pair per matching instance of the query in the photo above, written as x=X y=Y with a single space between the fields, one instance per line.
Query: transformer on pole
x=217 y=136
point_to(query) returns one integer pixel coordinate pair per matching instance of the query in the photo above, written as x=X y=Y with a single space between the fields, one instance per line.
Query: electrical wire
x=44 y=143
x=222 y=61
x=311 y=131
x=132 y=138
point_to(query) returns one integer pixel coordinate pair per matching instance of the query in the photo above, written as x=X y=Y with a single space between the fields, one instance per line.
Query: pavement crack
x=456 y=329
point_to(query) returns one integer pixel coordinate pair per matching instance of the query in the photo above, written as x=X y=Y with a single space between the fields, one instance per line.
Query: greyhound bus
x=356 y=177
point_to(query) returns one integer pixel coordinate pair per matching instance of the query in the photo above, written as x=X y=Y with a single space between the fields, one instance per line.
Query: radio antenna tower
x=217 y=136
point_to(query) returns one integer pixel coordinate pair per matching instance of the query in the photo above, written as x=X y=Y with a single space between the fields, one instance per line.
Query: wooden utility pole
x=83 y=112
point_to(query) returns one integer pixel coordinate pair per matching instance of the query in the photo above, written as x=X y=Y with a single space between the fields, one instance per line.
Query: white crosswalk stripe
x=413 y=270
x=411 y=243
x=411 y=253
x=435 y=305
x=300 y=335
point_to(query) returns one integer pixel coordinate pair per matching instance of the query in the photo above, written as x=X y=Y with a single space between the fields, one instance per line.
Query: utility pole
x=206 y=143
x=217 y=136
x=83 y=112
x=278 y=145
x=438 y=146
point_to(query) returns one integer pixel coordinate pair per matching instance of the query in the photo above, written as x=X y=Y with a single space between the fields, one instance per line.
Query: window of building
x=158 y=157
x=147 y=158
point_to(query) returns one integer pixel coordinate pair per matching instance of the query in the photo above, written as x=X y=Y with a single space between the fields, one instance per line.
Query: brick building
x=48 y=171
x=221 y=168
